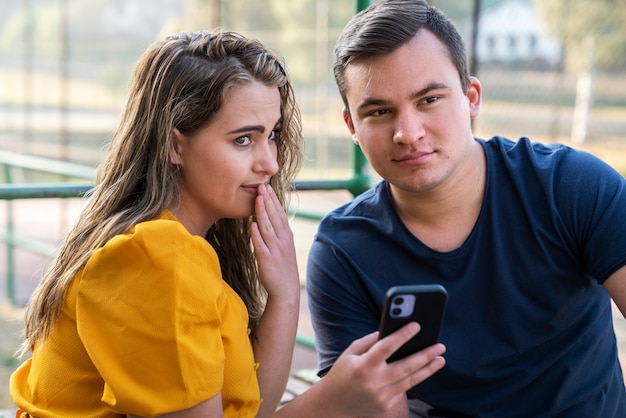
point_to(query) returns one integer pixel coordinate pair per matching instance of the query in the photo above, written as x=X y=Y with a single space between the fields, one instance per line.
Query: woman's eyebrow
x=257 y=128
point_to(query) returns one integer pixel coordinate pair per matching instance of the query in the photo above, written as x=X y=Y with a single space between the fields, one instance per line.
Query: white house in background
x=513 y=30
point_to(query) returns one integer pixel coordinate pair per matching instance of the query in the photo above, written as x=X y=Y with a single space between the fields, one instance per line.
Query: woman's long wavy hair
x=180 y=82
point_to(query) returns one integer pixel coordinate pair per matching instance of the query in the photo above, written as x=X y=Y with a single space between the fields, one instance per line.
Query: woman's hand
x=368 y=385
x=361 y=382
x=278 y=270
x=274 y=247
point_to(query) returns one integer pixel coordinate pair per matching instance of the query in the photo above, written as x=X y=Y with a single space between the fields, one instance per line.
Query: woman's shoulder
x=160 y=237
x=152 y=251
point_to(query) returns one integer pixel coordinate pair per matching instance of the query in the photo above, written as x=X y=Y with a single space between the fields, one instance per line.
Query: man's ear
x=176 y=139
x=348 y=120
x=474 y=95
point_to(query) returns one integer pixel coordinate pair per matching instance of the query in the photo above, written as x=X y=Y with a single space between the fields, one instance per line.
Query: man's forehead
x=365 y=73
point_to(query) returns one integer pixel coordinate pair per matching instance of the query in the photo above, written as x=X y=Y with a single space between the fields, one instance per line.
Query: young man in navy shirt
x=528 y=239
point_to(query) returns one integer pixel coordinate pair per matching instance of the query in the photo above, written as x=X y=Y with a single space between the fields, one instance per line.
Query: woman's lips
x=251 y=188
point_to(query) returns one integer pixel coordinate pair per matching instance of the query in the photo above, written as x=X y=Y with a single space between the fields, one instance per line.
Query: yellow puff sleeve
x=155 y=315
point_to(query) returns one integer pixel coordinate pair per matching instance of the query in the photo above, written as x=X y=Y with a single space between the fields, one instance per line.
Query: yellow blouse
x=148 y=326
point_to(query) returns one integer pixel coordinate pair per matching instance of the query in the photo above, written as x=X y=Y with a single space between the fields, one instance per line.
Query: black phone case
x=428 y=310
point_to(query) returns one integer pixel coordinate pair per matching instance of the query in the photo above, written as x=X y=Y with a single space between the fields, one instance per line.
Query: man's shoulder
x=367 y=205
x=367 y=216
x=524 y=146
x=554 y=159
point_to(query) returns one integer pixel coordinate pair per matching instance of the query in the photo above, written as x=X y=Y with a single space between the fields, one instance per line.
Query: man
x=529 y=240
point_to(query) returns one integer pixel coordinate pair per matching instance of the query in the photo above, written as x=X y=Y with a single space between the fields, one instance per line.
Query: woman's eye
x=274 y=135
x=242 y=140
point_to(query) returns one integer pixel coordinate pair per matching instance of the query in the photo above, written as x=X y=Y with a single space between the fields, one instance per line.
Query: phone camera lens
x=398 y=301
x=396 y=311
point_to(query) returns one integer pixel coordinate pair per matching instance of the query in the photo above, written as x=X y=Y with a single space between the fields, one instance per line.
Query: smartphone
x=424 y=304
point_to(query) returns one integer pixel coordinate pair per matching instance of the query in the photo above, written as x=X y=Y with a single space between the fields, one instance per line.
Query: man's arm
x=615 y=285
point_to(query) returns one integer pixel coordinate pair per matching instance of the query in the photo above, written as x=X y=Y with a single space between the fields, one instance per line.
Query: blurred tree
x=245 y=16
x=592 y=35
x=42 y=20
x=571 y=22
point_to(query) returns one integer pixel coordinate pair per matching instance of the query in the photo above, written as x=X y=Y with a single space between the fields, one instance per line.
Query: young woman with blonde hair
x=177 y=292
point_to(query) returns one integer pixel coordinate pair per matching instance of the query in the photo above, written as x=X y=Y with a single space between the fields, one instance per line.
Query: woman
x=177 y=293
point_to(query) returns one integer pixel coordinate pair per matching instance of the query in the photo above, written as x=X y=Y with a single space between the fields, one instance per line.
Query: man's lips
x=413 y=157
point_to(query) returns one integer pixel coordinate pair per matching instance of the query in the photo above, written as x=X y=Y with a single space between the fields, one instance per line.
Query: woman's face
x=223 y=164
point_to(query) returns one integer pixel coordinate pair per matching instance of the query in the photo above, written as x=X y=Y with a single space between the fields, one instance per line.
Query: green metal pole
x=10 y=245
x=362 y=4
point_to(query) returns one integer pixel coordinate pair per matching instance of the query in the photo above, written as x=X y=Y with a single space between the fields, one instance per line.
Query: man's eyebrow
x=257 y=128
x=372 y=101
x=430 y=87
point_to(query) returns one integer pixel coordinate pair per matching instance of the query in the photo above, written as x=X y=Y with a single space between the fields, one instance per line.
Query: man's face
x=410 y=115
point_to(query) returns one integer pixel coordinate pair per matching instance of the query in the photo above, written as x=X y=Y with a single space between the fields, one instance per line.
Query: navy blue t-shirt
x=528 y=326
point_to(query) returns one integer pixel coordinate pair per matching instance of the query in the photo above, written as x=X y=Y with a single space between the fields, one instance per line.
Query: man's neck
x=443 y=218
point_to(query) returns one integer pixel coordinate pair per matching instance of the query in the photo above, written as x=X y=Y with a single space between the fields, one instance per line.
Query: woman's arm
x=209 y=408
x=275 y=336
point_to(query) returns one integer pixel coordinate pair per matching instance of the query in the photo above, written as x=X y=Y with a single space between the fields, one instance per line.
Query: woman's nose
x=267 y=159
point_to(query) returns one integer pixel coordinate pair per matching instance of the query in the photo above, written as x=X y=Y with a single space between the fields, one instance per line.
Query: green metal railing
x=10 y=191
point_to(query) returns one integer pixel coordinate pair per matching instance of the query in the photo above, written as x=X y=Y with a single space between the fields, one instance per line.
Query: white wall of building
x=514 y=31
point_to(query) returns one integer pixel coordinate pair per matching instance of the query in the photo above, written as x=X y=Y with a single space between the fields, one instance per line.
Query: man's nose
x=409 y=128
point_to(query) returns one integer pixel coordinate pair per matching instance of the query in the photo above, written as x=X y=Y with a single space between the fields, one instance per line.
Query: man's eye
x=379 y=112
x=431 y=99
x=242 y=140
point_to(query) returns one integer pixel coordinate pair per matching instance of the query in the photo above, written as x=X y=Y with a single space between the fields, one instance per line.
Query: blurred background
x=552 y=70
x=65 y=66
